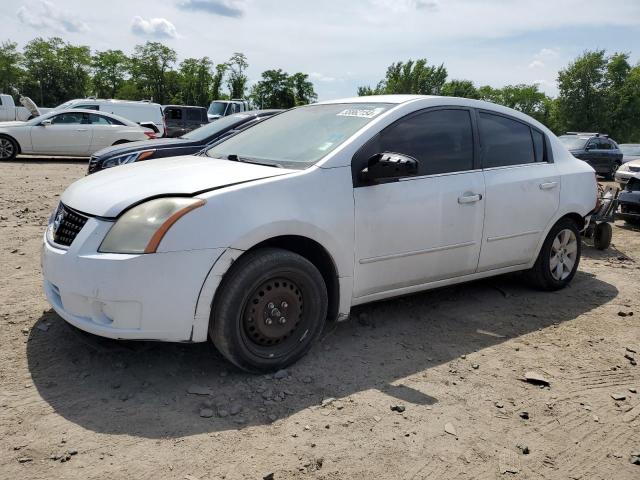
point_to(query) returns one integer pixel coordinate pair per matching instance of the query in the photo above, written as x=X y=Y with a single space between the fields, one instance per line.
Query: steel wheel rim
x=273 y=317
x=564 y=254
x=6 y=148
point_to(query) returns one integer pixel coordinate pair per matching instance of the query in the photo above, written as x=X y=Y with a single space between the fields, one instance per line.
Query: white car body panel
x=384 y=240
x=82 y=140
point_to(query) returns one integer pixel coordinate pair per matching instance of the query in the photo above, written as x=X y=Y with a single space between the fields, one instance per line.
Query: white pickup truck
x=9 y=112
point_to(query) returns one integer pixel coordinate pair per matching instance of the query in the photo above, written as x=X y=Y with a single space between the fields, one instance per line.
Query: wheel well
x=15 y=142
x=577 y=218
x=316 y=254
x=120 y=142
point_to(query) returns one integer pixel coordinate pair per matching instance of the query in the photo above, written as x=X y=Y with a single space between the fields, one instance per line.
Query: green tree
x=460 y=88
x=150 y=67
x=303 y=90
x=10 y=71
x=217 y=81
x=56 y=71
x=195 y=81
x=274 y=90
x=237 y=79
x=110 y=69
x=410 y=78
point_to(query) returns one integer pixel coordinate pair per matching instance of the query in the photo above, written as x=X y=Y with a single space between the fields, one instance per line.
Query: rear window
x=173 y=114
x=193 y=115
x=504 y=141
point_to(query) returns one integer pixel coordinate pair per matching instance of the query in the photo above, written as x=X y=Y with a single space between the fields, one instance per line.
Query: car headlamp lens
x=127 y=158
x=624 y=167
x=141 y=229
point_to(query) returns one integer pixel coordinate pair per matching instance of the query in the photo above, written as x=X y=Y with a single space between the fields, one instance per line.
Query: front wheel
x=559 y=257
x=269 y=310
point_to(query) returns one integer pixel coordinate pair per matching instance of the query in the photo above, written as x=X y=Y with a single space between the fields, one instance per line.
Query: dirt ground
x=81 y=407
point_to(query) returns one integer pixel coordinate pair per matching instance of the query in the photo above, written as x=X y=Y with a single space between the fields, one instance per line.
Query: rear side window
x=193 y=115
x=538 y=145
x=504 y=141
x=88 y=107
x=174 y=114
x=441 y=140
x=101 y=120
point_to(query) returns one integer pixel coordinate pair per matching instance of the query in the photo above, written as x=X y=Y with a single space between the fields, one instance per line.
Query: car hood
x=109 y=192
x=140 y=145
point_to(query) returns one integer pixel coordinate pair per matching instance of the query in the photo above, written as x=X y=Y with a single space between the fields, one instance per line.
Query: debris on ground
x=536 y=378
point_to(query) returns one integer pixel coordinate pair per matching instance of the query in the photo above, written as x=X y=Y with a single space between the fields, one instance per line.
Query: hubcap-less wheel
x=272 y=317
x=6 y=148
x=564 y=251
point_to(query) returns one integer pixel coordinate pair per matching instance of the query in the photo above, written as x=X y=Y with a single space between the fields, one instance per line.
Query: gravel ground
x=427 y=386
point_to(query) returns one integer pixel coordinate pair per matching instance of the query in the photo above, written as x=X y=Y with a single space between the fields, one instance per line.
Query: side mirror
x=46 y=123
x=389 y=166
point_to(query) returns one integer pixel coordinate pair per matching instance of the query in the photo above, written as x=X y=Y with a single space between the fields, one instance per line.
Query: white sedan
x=71 y=132
x=292 y=222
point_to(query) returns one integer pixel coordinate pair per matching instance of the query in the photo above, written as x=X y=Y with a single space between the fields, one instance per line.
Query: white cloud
x=548 y=53
x=154 y=27
x=44 y=14
x=225 y=8
x=321 y=77
x=536 y=64
x=402 y=6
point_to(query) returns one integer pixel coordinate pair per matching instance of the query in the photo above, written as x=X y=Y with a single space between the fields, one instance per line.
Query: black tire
x=8 y=148
x=602 y=236
x=262 y=288
x=541 y=275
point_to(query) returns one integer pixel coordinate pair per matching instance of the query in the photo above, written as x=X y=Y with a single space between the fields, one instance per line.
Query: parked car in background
x=181 y=119
x=597 y=149
x=629 y=200
x=187 y=144
x=630 y=151
x=72 y=132
x=222 y=108
x=9 y=112
x=626 y=171
x=144 y=113
x=320 y=208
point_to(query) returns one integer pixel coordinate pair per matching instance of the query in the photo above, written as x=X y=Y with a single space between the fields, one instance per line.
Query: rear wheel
x=8 y=148
x=269 y=310
x=559 y=257
x=602 y=236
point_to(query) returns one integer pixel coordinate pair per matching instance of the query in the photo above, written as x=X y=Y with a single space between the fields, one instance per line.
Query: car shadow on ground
x=141 y=388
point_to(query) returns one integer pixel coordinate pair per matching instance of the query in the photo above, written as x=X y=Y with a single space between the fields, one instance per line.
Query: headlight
x=127 y=158
x=624 y=168
x=141 y=229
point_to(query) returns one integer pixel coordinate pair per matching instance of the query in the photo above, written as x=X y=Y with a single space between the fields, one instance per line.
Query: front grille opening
x=66 y=225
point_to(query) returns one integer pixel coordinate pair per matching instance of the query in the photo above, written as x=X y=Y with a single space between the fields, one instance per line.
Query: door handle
x=470 y=198
x=548 y=185
x=81 y=129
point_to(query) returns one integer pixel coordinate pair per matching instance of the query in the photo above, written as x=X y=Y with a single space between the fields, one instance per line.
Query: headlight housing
x=125 y=158
x=624 y=168
x=141 y=228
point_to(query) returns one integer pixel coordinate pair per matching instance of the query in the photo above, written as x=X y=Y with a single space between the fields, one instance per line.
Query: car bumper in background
x=139 y=297
x=629 y=202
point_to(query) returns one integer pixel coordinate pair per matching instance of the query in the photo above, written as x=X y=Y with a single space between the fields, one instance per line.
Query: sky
x=343 y=44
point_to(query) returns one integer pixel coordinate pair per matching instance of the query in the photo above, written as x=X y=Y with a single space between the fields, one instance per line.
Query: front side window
x=504 y=141
x=101 y=120
x=69 y=118
x=217 y=108
x=441 y=141
x=301 y=136
x=88 y=107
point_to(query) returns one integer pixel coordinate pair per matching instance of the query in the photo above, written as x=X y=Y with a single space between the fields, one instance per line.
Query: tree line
x=52 y=71
x=597 y=93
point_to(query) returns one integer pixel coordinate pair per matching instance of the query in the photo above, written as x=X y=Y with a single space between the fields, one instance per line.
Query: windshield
x=301 y=136
x=212 y=129
x=573 y=143
x=65 y=105
x=631 y=150
x=217 y=108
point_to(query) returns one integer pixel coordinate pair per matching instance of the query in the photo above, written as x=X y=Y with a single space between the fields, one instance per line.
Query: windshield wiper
x=235 y=158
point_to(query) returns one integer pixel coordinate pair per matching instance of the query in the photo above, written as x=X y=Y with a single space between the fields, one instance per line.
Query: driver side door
x=421 y=228
x=69 y=133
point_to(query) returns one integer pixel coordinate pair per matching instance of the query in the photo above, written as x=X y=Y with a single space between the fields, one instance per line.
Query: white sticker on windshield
x=325 y=146
x=361 y=112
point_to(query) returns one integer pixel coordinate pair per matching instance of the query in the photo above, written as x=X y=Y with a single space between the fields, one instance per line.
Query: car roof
x=629 y=144
x=183 y=106
x=126 y=121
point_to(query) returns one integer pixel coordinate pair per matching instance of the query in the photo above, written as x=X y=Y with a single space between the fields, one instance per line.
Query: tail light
x=151 y=135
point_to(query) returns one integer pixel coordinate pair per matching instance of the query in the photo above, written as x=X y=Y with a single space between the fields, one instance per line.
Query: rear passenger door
x=105 y=131
x=522 y=190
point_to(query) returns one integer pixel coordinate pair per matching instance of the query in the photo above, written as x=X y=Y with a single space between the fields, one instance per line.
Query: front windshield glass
x=573 y=143
x=217 y=108
x=631 y=150
x=211 y=129
x=301 y=136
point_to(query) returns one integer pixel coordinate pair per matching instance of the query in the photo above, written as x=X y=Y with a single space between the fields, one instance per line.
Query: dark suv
x=598 y=150
x=181 y=119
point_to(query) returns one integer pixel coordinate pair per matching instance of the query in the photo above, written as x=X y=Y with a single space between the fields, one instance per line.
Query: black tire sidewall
x=226 y=323
x=15 y=148
x=602 y=236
